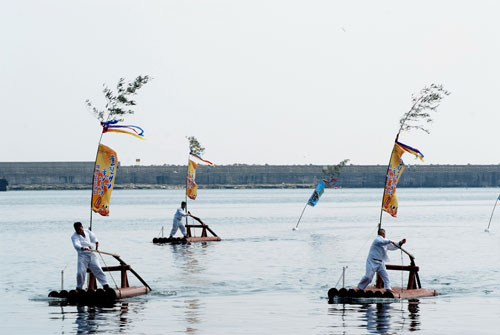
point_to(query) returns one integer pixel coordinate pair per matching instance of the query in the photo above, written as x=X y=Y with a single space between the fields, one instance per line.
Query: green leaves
x=119 y=103
x=425 y=103
x=195 y=146
x=334 y=171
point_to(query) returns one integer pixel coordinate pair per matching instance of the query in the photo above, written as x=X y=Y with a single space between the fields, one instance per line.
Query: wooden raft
x=413 y=288
x=189 y=236
x=93 y=295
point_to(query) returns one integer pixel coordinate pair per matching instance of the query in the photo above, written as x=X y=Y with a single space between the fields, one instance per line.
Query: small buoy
x=388 y=294
x=378 y=294
x=359 y=293
x=91 y=295
x=110 y=295
x=295 y=228
x=369 y=294
x=351 y=293
x=155 y=240
x=343 y=292
x=486 y=230
x=63 y=294
x=100 y=295
x=72 y=295
x=53 y=294
x=332 y=293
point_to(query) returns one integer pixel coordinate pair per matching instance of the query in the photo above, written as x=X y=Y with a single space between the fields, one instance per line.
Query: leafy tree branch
x=335 y=170
x=425 y=103
x=119 y=102
x=195 y=146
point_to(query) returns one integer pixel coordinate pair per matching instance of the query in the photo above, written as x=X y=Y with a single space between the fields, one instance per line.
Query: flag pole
x=487 y=229
x=185 y=193
x=385 y=183
x=297 y=225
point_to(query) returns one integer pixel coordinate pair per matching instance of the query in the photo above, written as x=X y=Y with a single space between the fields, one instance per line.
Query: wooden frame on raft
x=203 y=237
x=189 y=235
x=92 y=295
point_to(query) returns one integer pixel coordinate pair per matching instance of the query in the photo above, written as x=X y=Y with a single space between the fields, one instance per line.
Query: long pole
x=402 y=123
x=297 y=225
x=186 y=197
x=385 y=185
x=93 y=178
x=492 y=213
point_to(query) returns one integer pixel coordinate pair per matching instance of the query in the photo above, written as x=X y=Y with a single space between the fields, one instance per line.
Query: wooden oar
x=105 y=253
x=403 y=250
x=117 y=257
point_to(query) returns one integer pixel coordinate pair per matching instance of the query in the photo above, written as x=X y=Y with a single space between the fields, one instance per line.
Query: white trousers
x=373 y=267
x=178 y=225
x=89 y=260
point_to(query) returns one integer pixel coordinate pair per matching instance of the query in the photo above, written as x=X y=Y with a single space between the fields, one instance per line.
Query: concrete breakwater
x=78 y=175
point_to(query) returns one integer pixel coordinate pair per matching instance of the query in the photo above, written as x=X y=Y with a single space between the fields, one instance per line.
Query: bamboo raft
x=189 y=236
x=413 y=288
x=98 y=296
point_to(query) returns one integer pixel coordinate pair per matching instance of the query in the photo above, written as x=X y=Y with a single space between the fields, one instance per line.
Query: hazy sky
x=277 y=82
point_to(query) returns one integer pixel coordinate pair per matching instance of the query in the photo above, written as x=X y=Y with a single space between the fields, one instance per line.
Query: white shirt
x=378 y=250
x=179 y=214
x=80 y=242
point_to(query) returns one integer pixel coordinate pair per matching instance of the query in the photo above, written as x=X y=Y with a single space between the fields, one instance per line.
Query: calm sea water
x=262 y=277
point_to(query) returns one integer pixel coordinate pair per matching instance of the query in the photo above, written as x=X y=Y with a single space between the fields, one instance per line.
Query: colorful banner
x=113 y=127
x=330 y=182
x=396 y=168
x=191 y=187
x=318 y=192
x=197 y=155
x=411 y=150
x=104 y=179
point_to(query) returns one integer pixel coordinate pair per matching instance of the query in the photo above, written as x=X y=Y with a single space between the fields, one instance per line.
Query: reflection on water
x=192 y=313
x=377 y=318
x=94 y=319
x=186 y=258
x=413 y=315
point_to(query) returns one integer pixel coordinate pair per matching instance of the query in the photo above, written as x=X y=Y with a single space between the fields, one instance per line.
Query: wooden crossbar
x=413 y=278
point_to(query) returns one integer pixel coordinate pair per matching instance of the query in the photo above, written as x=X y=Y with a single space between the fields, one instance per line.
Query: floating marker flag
x=191 y=187
x=104 y=179
x=396 y=168
x=113 y=127
x=318 y=192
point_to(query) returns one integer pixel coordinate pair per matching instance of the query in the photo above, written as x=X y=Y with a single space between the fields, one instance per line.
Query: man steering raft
x=375 y=263
x=84 y=241
x=177 y=224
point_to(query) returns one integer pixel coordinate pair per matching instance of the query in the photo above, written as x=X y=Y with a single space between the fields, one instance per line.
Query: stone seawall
x=78 y=175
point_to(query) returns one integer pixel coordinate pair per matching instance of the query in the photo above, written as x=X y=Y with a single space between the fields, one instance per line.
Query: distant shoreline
x=153 y=187
x=78 y=175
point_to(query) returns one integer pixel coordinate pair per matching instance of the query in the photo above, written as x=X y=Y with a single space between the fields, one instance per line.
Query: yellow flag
x=396 y=168
x=104 y=179
x=191 y=187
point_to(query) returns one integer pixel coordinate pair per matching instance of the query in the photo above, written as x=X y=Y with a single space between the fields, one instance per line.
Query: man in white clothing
x=177 y=224
x=84 y=241
x=375 y=263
